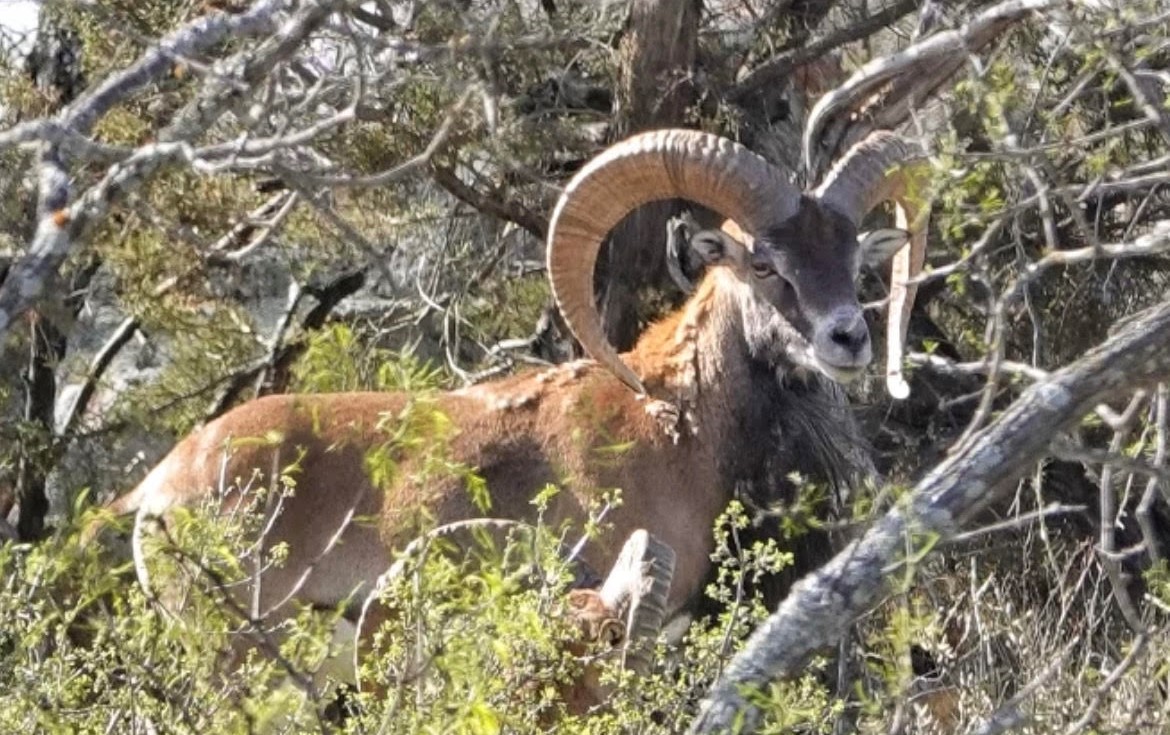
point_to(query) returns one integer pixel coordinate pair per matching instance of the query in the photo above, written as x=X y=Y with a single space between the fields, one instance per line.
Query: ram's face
x=803 y=274
x=799 y=300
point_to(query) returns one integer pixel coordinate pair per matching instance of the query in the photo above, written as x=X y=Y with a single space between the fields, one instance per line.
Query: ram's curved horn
x=637 y=588
x=664 y=164
x=884 y=167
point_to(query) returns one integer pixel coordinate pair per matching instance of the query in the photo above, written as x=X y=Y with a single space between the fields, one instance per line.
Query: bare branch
x=1154 y=242
x=1136 y=652
x=776 y=69
x=1145 y=510
x=70 y=142
x=1008 y=716
x=1153 y=112
x=97 y=368
x=504 y=208
x=923 y=66
x=219 y=91
x=190 y=40
x=60 y=224
x=945 y=366
x=400 y=171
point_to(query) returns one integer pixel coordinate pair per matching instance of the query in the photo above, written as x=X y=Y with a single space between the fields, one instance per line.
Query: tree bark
x=654 y=90
x=54 y=64
x=46 y=348
x=821 y=607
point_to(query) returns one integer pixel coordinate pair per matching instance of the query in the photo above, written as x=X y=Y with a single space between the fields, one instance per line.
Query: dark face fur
x=803 y=275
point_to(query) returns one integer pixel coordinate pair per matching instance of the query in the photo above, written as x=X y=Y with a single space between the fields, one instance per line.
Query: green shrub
x=477 y=645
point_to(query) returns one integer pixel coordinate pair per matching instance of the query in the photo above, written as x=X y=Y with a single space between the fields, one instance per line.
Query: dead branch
x=776 y=69
x=60 y=223
x=904 y=78
x=506 y=208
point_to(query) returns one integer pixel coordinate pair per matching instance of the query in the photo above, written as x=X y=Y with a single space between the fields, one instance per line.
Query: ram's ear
x=714 y=246
x=879 y=246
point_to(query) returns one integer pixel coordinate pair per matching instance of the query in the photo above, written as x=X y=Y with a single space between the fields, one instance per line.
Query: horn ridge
x=869 y=173
x=638 y=587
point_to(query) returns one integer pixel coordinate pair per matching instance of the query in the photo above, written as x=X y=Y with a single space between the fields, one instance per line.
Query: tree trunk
x=54 y=64
x=46 y=348
x=654 y=90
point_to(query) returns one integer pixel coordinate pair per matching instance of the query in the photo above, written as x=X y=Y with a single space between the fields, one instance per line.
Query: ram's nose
x=843 y=340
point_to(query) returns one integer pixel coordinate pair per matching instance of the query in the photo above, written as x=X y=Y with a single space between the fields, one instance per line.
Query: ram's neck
x=697 y=358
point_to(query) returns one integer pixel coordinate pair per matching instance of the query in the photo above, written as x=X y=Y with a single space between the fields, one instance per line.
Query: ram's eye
x=763 y=269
